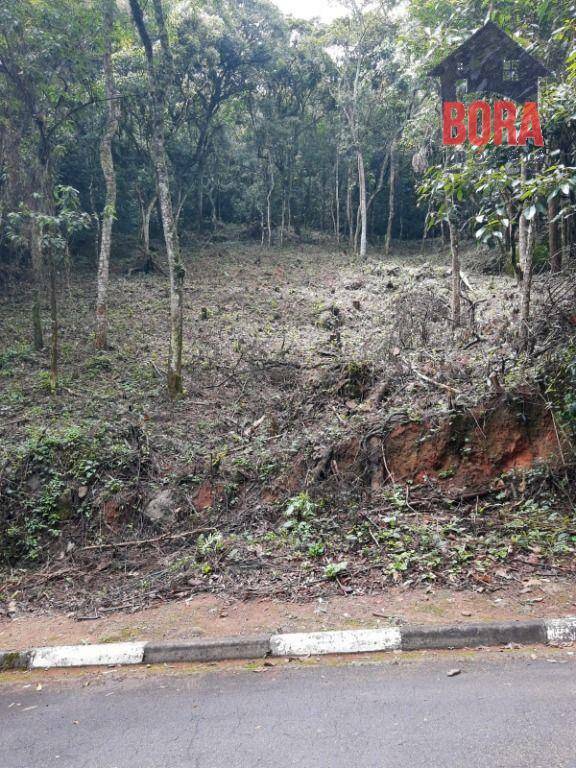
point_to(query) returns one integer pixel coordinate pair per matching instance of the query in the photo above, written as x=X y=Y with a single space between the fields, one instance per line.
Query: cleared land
x=263 y=478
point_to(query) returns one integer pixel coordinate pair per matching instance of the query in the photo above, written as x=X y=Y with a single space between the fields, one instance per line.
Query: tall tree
x=391 y=195
x=107 y=164
x=159 y=70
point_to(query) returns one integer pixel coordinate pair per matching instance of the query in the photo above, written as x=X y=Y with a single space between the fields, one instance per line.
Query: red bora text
x=479 y=123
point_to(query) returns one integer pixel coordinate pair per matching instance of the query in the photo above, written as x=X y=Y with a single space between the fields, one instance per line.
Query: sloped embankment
x=462 y=453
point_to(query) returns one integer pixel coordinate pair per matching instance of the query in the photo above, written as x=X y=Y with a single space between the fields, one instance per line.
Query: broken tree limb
x=447 y=387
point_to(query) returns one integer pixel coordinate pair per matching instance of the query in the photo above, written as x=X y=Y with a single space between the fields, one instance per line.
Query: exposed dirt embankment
x=463 y=453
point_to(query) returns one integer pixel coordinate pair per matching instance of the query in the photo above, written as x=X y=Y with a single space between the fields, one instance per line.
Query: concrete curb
x=217 y=649
x=409 y=638
x=14 y=660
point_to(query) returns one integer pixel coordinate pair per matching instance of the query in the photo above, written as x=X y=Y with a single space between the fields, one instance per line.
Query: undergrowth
x=60 y=475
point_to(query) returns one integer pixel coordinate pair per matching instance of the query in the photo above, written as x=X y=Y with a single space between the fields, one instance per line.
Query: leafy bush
x=39 y=482
x=562 y=388
x=300 y=507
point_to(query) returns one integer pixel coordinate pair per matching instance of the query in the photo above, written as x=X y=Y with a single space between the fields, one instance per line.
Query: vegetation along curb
x=544 y=631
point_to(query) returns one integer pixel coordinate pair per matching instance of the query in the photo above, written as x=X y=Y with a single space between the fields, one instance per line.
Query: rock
x=12 y=609
x=355 y=285
x=82 y=492
x=453 y=672
x=160 y=509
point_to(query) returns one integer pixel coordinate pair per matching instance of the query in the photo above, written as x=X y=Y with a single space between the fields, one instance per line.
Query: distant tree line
x=180 y=117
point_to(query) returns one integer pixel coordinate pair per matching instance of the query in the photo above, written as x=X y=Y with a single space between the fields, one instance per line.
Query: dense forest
x=251 y=304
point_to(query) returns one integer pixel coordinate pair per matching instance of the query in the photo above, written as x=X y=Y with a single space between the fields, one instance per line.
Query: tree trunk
x=363 y=210
x=36 y=253
x=523 y=221
x=527 y=272
x=158 y=83
x=337 y=198
x=269 y=201
x=182 y=201
x=455 y=250
x=54 y=326
x=391 y=198
x=147 y=211
x=554 y=239
x=566 y=236
x=349 y=214
x=282 y=219
x=200 y=203
x=107 y=164
x=212 y=201
x=401 y=210
x=290 y=184
x=380 y=182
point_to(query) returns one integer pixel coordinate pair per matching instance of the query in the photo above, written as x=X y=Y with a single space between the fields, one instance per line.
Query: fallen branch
x=138 y=542
x=447 y=387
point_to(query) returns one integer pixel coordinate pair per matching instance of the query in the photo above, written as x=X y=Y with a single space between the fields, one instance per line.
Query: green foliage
x=300 y=513
x=56 y=229
x=333 y=570
x=38 y=490
x=265 y=116
x=561 y=388
x=209 y=544
x=300 y=507
x=259 y=106
x=316 y=549
x=99 y=362
x=12 y=356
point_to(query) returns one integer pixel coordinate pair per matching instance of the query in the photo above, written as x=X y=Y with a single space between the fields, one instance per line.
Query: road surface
x=502 y=711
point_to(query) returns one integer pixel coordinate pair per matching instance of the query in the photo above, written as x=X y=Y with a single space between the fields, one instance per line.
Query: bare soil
x=216 y=616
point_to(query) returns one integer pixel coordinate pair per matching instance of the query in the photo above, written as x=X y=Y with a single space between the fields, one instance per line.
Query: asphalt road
x=498 y=712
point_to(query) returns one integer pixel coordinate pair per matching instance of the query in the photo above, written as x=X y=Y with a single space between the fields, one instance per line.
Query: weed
x=100 y=362
x=210 y=543
x=300 y=507
x=9 y=357
x=38 y=495
x=333 y=570
x=316 y=549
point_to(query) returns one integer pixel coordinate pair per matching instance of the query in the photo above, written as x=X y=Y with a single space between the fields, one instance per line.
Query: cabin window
x=511 y=71
x=460 y=67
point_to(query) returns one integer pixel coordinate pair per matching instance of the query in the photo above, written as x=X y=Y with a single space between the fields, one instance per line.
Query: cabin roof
x=489 y=34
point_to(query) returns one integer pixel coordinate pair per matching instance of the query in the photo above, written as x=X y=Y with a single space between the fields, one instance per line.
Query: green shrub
x=39 y=482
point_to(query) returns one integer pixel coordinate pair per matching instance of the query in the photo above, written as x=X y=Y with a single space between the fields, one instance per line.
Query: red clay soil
x=463 y=454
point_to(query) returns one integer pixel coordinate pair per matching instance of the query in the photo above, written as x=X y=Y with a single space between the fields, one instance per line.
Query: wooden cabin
x=490 y=62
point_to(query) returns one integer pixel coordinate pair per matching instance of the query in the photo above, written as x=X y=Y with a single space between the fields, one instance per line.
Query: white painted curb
x=87 y=655
x=561 y=630
x=347 y=641
x=550 y=631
